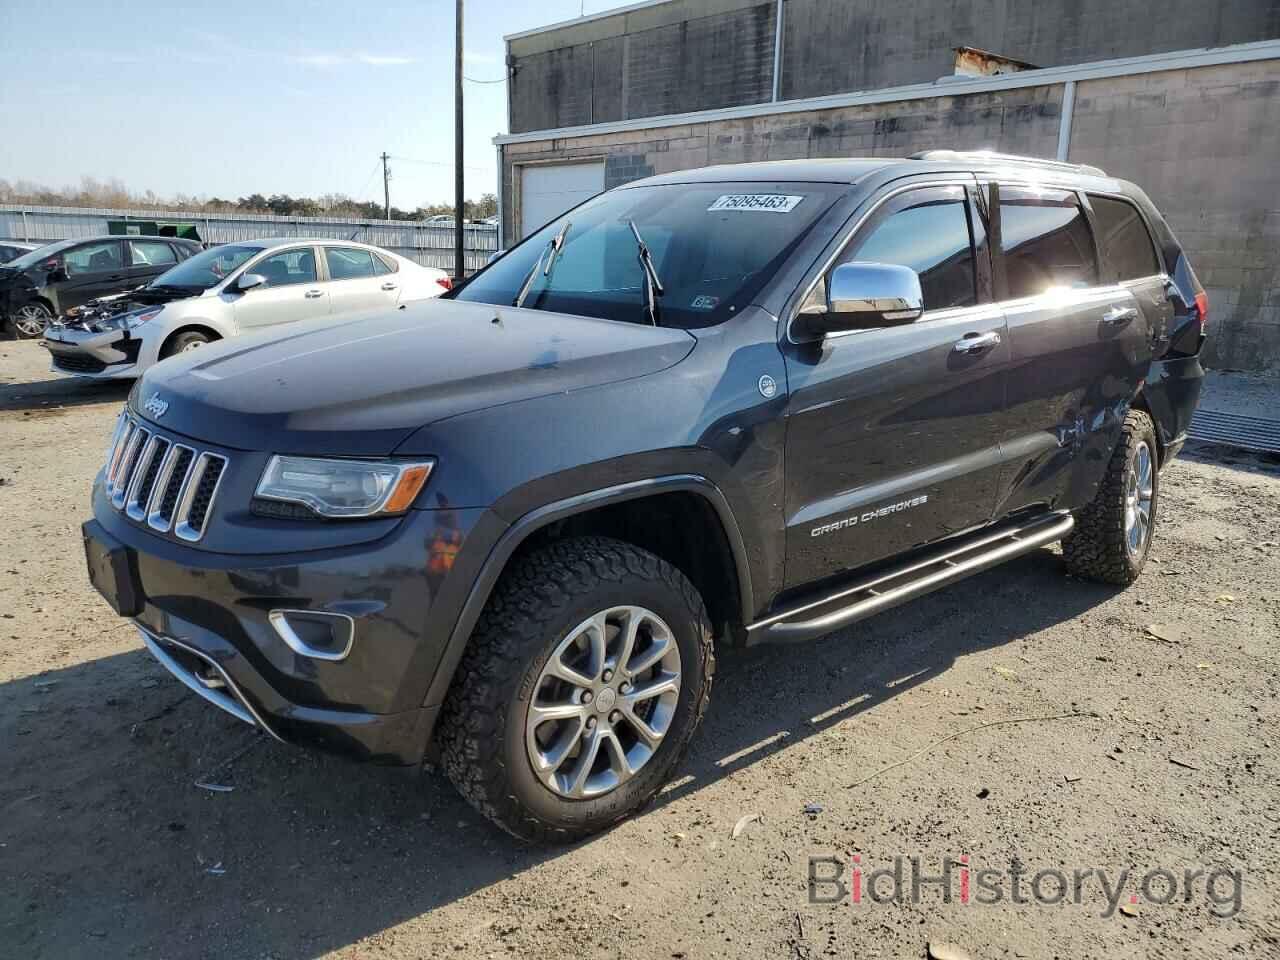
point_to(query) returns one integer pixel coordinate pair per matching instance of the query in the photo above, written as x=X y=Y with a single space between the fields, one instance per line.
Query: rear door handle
x=313 y=294
x=388 y=286
x=976 y=342
x=1119 y=316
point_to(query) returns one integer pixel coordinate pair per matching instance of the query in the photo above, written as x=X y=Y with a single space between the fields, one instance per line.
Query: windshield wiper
x=652 y=285
x=549 y=253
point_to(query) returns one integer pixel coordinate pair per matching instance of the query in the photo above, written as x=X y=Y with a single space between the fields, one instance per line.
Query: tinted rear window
x=1045 y=241
x=1123 y=240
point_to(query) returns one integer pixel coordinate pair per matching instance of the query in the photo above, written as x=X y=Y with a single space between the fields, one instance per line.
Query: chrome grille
x=168 y=485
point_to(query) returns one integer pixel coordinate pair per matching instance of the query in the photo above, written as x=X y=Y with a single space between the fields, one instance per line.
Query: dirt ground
x=108 y=848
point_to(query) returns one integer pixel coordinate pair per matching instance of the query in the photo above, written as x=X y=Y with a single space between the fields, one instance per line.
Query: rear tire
x=184 y=341
x=553 y=637
x=1113 y=534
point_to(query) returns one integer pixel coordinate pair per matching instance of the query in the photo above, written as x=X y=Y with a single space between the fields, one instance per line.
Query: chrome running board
x=952 y=562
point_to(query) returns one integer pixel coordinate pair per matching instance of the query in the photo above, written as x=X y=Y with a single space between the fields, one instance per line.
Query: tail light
x=1202 y=304
x=447 y=283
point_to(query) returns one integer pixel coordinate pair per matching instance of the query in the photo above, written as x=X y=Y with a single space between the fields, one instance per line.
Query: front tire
x=1113 y=534
x=183 y=342
x=31 y=320
x=579 y=691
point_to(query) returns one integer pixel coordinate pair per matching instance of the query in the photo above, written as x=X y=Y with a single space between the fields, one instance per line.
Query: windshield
x=207 y=269
x=39 y=254
x=714 y=245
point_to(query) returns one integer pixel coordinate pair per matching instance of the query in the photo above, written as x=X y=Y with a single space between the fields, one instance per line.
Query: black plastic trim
x=519 y=531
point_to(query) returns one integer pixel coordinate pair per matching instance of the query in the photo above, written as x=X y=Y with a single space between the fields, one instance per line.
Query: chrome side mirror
x=249 y=281
x=863 y=296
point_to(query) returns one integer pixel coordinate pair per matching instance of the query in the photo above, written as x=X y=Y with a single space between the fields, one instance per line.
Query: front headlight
x=125 y=321
x=344 y=488
x=131 y=320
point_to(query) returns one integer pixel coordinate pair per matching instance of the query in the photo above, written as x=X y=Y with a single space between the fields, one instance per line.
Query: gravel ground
x=108 y=848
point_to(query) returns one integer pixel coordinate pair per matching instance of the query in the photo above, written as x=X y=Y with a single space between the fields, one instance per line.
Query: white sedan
x=237 y=288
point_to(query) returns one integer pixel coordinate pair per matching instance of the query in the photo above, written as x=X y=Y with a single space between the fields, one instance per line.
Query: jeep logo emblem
x=155 y=406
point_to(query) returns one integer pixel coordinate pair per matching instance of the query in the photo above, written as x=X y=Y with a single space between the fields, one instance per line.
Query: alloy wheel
x=603 y=702
x=1139 y=493
x=31 y=320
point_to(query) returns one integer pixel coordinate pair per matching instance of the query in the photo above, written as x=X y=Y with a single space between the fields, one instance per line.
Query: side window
x=151 y=253
x=1123 y=240
x=1044 y=241
x=93 y=258
x=384 y=265
x=928 y=231
x=348 y=263
x=288 y=267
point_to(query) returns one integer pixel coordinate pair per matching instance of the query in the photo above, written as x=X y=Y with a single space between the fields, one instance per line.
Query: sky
x=274 y=96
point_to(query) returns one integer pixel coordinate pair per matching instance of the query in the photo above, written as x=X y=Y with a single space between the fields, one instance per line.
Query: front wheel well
x=211 y=333
x=683 y=529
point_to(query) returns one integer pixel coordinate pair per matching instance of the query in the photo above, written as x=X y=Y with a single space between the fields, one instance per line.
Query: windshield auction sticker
x=759 y=202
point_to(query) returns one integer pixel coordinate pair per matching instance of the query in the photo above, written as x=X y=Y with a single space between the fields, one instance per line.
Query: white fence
x=430 y=246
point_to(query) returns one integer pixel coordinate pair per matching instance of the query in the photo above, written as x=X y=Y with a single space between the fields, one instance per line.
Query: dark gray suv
x=712 y=408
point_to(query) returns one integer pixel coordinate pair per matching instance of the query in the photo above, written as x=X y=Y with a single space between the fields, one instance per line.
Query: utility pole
x=386 y=184
x=459 y=200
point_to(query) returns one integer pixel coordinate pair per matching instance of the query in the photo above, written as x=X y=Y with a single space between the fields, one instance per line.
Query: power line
x=499 y=80
x=364 y=186
x=438 y=163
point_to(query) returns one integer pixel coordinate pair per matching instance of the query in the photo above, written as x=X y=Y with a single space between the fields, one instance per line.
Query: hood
x=88 y=316
x=11 y=275
x=361 y=387
x=152 y=294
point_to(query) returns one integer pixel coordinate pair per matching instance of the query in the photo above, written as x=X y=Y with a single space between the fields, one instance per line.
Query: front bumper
x=207 y=617
x=85 y=353
x=216 y=672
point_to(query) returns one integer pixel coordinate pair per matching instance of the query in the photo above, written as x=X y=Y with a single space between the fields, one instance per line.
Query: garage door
x=547 y=192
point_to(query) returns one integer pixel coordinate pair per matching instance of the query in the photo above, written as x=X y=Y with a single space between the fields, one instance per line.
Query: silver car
x=232 y=289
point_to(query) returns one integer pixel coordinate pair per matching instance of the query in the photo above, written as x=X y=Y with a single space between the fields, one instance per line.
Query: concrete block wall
x=834 y=46
x=1018 y=121
x=682 y=56
x=689 y=55
x=1205 y=146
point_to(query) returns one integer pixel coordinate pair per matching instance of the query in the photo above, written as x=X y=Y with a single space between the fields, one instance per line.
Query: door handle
x=388 y=286
x=313 y=294
x=1119 y=316
x=976 y=342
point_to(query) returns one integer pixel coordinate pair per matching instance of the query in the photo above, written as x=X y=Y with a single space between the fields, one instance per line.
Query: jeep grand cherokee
x=721 y=406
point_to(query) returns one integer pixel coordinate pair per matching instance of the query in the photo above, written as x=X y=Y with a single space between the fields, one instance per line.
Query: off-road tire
x=186 y=340
x=1096 y=548
x=542 y=597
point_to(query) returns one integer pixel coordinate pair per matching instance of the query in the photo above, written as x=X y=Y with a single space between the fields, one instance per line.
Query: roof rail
x=990 y=156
